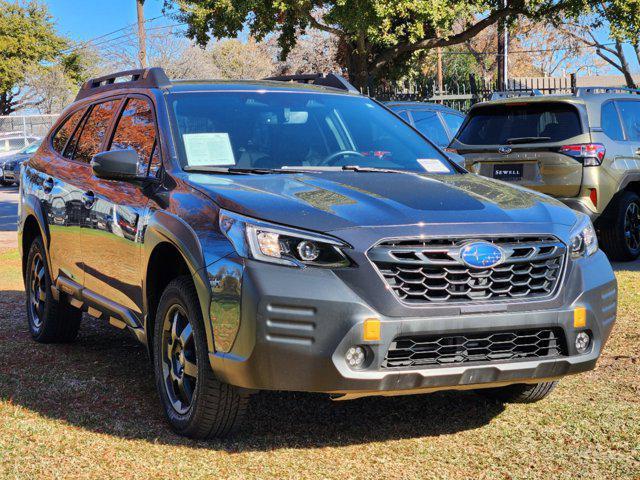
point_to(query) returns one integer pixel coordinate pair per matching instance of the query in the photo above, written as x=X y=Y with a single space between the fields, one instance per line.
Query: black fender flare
x=164 y=227
x=30 y=207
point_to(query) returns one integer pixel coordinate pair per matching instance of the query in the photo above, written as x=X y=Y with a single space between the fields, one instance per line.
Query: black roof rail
x=331 y=80
x=153 y=77
x=595 y=90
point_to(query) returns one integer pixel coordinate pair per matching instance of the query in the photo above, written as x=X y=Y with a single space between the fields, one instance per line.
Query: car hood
x=329 y=201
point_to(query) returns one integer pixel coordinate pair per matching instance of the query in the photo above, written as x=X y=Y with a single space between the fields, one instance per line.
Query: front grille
x=431 y=271
x=433 y=350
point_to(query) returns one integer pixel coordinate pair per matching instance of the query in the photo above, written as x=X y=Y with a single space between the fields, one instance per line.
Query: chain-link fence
x=25 y=128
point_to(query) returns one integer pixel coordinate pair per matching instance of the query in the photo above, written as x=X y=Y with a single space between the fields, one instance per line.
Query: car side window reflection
x=94 y=130
x=630 y=114
x=610 y=121
x=136 y=130
x=65 y=131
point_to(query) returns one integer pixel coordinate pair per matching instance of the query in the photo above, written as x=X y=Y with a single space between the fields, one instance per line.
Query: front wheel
x=196 y=404
x=620 y=228
x=49 y=320
x=520 y=393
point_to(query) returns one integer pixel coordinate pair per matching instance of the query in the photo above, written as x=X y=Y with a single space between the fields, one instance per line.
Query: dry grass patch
x=89 y=410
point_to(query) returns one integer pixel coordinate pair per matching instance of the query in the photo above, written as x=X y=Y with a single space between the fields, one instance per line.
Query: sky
x=82 y=20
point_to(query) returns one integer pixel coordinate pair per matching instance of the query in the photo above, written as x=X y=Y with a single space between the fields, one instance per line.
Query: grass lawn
x=90 y=410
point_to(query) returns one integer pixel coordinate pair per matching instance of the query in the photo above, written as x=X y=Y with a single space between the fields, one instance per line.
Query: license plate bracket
x=508 y=172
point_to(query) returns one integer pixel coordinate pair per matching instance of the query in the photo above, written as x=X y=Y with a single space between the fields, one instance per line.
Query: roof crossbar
x=331 y=80
x=153 y=77
x=581 y=91
x=515 y=94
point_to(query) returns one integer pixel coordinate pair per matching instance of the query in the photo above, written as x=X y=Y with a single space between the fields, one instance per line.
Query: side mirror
x=116 y=164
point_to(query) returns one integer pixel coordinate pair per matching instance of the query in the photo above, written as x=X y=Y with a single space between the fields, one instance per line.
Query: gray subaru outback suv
x=295 y=235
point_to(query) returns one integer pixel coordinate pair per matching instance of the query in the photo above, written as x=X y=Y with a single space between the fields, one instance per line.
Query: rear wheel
x=520 y=393
x=49 y=320
x=196 y=404
x=620 y=228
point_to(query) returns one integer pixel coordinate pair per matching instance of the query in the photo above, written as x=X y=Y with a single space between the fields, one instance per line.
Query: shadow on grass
x=633 y=266
x=103 y=382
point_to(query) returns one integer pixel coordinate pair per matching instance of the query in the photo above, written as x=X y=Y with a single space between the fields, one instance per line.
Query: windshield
x=520 y=123
x=275 y=130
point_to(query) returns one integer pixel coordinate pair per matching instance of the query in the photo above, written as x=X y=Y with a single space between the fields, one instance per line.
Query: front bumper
x=296 y=326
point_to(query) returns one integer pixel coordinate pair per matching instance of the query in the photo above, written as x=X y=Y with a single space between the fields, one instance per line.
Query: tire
x=4 y=183
x=50 y=321
x=620 y=228
x=196 y=404
x=520 y=393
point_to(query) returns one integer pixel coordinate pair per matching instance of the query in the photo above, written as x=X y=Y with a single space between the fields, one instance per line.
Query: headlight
x=583 y=238
x=285 y=246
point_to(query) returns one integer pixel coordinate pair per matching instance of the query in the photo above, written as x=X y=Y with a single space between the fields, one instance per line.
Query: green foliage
x=624 y=20
x=375 y=36
x=27 y=41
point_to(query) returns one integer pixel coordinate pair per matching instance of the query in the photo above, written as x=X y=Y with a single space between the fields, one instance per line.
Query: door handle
x=88 y=198
x=47 y=185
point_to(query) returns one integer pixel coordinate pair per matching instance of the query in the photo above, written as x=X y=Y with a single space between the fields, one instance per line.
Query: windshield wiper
x=358 y=168
x=513 y=140
x=237 y=171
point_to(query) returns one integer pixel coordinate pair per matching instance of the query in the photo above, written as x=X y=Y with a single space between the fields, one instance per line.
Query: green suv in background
x=582 y=148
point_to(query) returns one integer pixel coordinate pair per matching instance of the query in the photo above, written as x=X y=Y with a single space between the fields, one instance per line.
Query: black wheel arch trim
x=164 y=227
x=31 y=207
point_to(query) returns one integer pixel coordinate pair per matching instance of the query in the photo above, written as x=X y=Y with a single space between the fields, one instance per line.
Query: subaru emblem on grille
x=505 y=150
x=481 y=255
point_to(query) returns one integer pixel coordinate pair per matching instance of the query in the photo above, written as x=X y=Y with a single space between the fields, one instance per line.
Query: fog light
x=355 y=357
x=582 y=342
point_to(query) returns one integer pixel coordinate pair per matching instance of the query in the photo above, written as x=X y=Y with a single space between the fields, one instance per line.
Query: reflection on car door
x=77 y=198
x=113 y=238
x=55 y=187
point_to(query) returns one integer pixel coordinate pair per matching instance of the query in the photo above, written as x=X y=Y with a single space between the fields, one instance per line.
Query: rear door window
x=521 y=123
x=610 y=121
x=630 y=114
x=136 y=129
x=94 y=130
x=429 y=124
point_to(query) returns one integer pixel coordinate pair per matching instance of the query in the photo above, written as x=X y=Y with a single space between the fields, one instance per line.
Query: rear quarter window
x=610 y=122
x=64 y=132
x=630 y=114
x=513 y=123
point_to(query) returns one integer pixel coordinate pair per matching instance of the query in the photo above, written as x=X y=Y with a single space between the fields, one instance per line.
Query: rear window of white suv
x=520 y=123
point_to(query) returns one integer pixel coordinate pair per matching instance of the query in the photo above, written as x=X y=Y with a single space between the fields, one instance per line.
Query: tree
x=372 y=34
x=180 y=58
x=234 y=59
x=165 y=48
x=27 y=42
x=620 y=20
x=51 y=88
x=314 y=52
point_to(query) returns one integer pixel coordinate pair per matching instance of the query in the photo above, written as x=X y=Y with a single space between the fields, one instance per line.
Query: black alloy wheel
x=179 y=359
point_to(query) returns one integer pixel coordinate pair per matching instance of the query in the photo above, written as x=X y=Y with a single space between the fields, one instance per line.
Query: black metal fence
x=461 y=95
